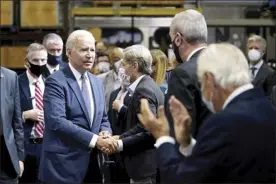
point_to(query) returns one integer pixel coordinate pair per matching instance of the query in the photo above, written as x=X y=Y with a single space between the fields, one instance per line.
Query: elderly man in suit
x=11 y=129
x=188 y=33
x=136 y=144
x=263 y=76
x=54 y=45
x=75 y=119
x=234 y=145
x=31 y=87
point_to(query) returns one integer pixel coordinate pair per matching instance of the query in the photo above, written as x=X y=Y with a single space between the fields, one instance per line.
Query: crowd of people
x=204 y=116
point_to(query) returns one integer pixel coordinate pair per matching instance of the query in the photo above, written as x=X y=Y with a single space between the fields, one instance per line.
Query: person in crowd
x=171 y=65
x=54 y=46
x=136 y=144
x=263 y=75
x=11 y=129
x=103 y=62
x=159 y=66
x=230 y=145
x=31 y=87
x=76 y=123
x=188 y=33
x=111 y=79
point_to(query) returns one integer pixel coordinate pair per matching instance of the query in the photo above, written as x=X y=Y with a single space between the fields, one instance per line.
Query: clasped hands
x=107 y=143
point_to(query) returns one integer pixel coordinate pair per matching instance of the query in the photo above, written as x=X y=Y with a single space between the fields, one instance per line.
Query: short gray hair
x=191 y=24
x=52 y=38
x=227 y=63
x=75 y=36
x=258 y=38
x=141 y=55
x=35 y=47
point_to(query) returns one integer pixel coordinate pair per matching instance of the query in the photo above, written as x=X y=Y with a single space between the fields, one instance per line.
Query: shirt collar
x=193 y=52
x=52 y=68
x=236 y=93
x=33 y=80
x=133 y=86
x=76 y=73
x=258 y=65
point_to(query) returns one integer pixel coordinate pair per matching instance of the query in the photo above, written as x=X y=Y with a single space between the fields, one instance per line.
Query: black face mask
x=37 y=69
x=176 y=53
x=53 y=60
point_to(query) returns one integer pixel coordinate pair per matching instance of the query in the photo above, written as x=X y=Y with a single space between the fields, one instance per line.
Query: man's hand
x=34 y=114
x=182 y=122
x=158 y=127
x=116 y=104
x=105 y=134
x=107 y=145
x=21 y=165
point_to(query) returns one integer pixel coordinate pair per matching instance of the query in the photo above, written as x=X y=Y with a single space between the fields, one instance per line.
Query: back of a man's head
x=226 y=63
x=191 y=25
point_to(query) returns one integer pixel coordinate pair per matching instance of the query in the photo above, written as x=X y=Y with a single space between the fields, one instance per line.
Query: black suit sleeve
x=137 y=138
x=269 y=82
x=123 y=112
x=17 y=122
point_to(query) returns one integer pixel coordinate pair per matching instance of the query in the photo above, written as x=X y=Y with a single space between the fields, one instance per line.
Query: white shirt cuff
x=164 y=139
x=120 y=145
x=93 y=141
x=23 y=117
x=187 y=151
x=120 y=107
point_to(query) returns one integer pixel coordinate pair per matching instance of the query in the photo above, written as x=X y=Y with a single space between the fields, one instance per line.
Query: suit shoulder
x=95 y=78
x=7 y=71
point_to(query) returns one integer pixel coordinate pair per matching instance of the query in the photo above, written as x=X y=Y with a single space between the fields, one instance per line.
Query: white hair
x=141 y=55
x=257 y=38
x=191 y=24
x=52 y=38
x=227 y=63
x=75 y=36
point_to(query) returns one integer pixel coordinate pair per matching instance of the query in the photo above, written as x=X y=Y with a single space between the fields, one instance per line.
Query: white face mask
x=254 y=55
x=103 y=67
x=117 y=65
x=124 y=79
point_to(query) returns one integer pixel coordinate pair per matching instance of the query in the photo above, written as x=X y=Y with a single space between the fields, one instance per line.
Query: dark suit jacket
x=46 y=73
x=11 y=117
x=235 y=145
x=67 y=135
x=138 y=144
x=184 y=85
x=265 y=79
x=26 y=104
x=117 y=120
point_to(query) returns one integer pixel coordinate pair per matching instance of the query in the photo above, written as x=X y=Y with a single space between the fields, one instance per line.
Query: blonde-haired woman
x=159 y=66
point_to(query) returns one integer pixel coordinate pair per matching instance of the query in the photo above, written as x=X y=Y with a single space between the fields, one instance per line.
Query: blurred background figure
x=159 y=66
x=103 y=64
x=100 y=47
x=171 y=65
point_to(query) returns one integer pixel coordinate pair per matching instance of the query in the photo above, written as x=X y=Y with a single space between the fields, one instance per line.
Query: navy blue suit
x=233 y=145
x=65 y=153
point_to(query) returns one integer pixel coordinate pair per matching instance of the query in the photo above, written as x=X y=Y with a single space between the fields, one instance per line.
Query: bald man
x=76 y=123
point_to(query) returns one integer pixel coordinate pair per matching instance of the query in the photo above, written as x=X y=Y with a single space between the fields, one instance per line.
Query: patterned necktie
x=85 y=94
x=39 y=126
x=253 y=69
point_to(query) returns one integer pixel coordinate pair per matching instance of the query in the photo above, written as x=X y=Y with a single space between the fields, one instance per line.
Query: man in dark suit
x=11 y=129
x=188 y=32
x=54 y=45
x=74 y=114
x=136 y=144
x=236 y=144
x=31 y=87
x=263 y=75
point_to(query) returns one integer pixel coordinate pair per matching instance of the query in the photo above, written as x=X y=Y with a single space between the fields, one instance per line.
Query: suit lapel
x=260 y=75
x=2 y=95
x=72 y=81
x=95 y=91
x=24 y=84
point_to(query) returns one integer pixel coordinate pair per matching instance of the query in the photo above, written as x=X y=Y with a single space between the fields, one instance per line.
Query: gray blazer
x=11 y=116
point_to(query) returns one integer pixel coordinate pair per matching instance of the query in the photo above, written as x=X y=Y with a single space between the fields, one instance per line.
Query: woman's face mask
x=103 y=67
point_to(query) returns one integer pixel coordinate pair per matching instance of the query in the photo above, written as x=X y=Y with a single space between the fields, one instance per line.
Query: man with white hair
x=136 y=143
x=54 y=46
x=263 y=75
x=76 y=122
x=188 y=32
x=234 y=145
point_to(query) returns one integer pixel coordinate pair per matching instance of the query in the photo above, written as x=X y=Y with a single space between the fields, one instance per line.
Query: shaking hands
x=107 y=144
